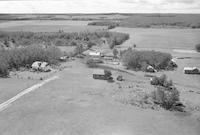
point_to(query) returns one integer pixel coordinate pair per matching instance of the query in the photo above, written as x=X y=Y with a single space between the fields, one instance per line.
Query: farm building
x=191 y=70
x=150 y=69
x=95 y=53
x=92 y=53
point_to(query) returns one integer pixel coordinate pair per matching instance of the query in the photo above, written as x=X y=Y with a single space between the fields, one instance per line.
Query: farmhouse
x=93 y=53
x=191 y=70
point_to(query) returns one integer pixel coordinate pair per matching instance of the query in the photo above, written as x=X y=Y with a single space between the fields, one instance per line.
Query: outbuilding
x=191 y=70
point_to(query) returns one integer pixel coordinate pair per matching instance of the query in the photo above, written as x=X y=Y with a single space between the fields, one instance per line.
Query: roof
x=95 y=53
x=190 y=68
x=91 y=52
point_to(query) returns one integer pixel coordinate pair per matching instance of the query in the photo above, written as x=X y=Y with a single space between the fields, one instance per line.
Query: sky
x=99 y=6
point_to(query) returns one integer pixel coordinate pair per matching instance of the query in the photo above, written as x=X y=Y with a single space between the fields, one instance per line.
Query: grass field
x=126 y=20
x=48 y=26
x=162 y=38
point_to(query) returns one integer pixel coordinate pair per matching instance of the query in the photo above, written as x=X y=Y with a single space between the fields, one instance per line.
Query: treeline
x=126 y=23
x=197 y=47
x=110 y=24
x=24 y=57
x=60 y=38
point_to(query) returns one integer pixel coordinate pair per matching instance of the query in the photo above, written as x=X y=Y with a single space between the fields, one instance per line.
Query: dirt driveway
x=76 y=104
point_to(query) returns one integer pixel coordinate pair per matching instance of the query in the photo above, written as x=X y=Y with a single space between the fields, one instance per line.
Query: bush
x=90 y=44
x=107 y=73
x=79 y=49
x=4 y=72
x=115 y=52
x=161 y=81
x=134 y=59
x=166 y=97
x=110 y=24
x=166 y=94
x=91 y=63
x=197 y=47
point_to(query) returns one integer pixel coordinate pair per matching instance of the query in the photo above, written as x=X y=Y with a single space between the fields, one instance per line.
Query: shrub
x=3 y=67
x=79 y=49
x=90 y=44
x=90 y=63
x=166 y=94
x=166 y=97
x=197 y=47
x=112 y=45
x=161 y=81
x=110 y=24
x=107 y=73
x=134 y=59
x=115 y=52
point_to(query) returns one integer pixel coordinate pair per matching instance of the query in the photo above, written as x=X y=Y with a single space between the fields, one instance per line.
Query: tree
x=197 y=47
x=111 y=45
x=134 y=46
x=115 y=53
x=79 y=49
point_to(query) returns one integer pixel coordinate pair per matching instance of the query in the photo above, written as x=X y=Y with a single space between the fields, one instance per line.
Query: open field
x=48 y=26
x=169 y=39
x=126 y=20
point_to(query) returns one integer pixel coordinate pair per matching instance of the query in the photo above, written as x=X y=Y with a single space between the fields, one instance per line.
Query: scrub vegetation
x=24 y=57
x=166 y=94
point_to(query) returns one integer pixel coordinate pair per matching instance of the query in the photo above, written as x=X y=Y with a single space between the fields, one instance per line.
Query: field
x=126 y=20
x=48 y=26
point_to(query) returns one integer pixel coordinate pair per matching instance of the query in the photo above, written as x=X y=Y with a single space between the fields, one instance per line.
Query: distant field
x=126 y=20
x=162 y=20
x=62 y=16
x=48 y=26
x=162 y=38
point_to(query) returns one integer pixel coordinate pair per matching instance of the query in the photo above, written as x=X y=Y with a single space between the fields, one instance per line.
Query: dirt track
x=76 y=104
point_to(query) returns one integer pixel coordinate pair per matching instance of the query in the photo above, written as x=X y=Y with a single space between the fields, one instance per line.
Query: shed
x=191 y=70
x=94 y=53
x=150 y=69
